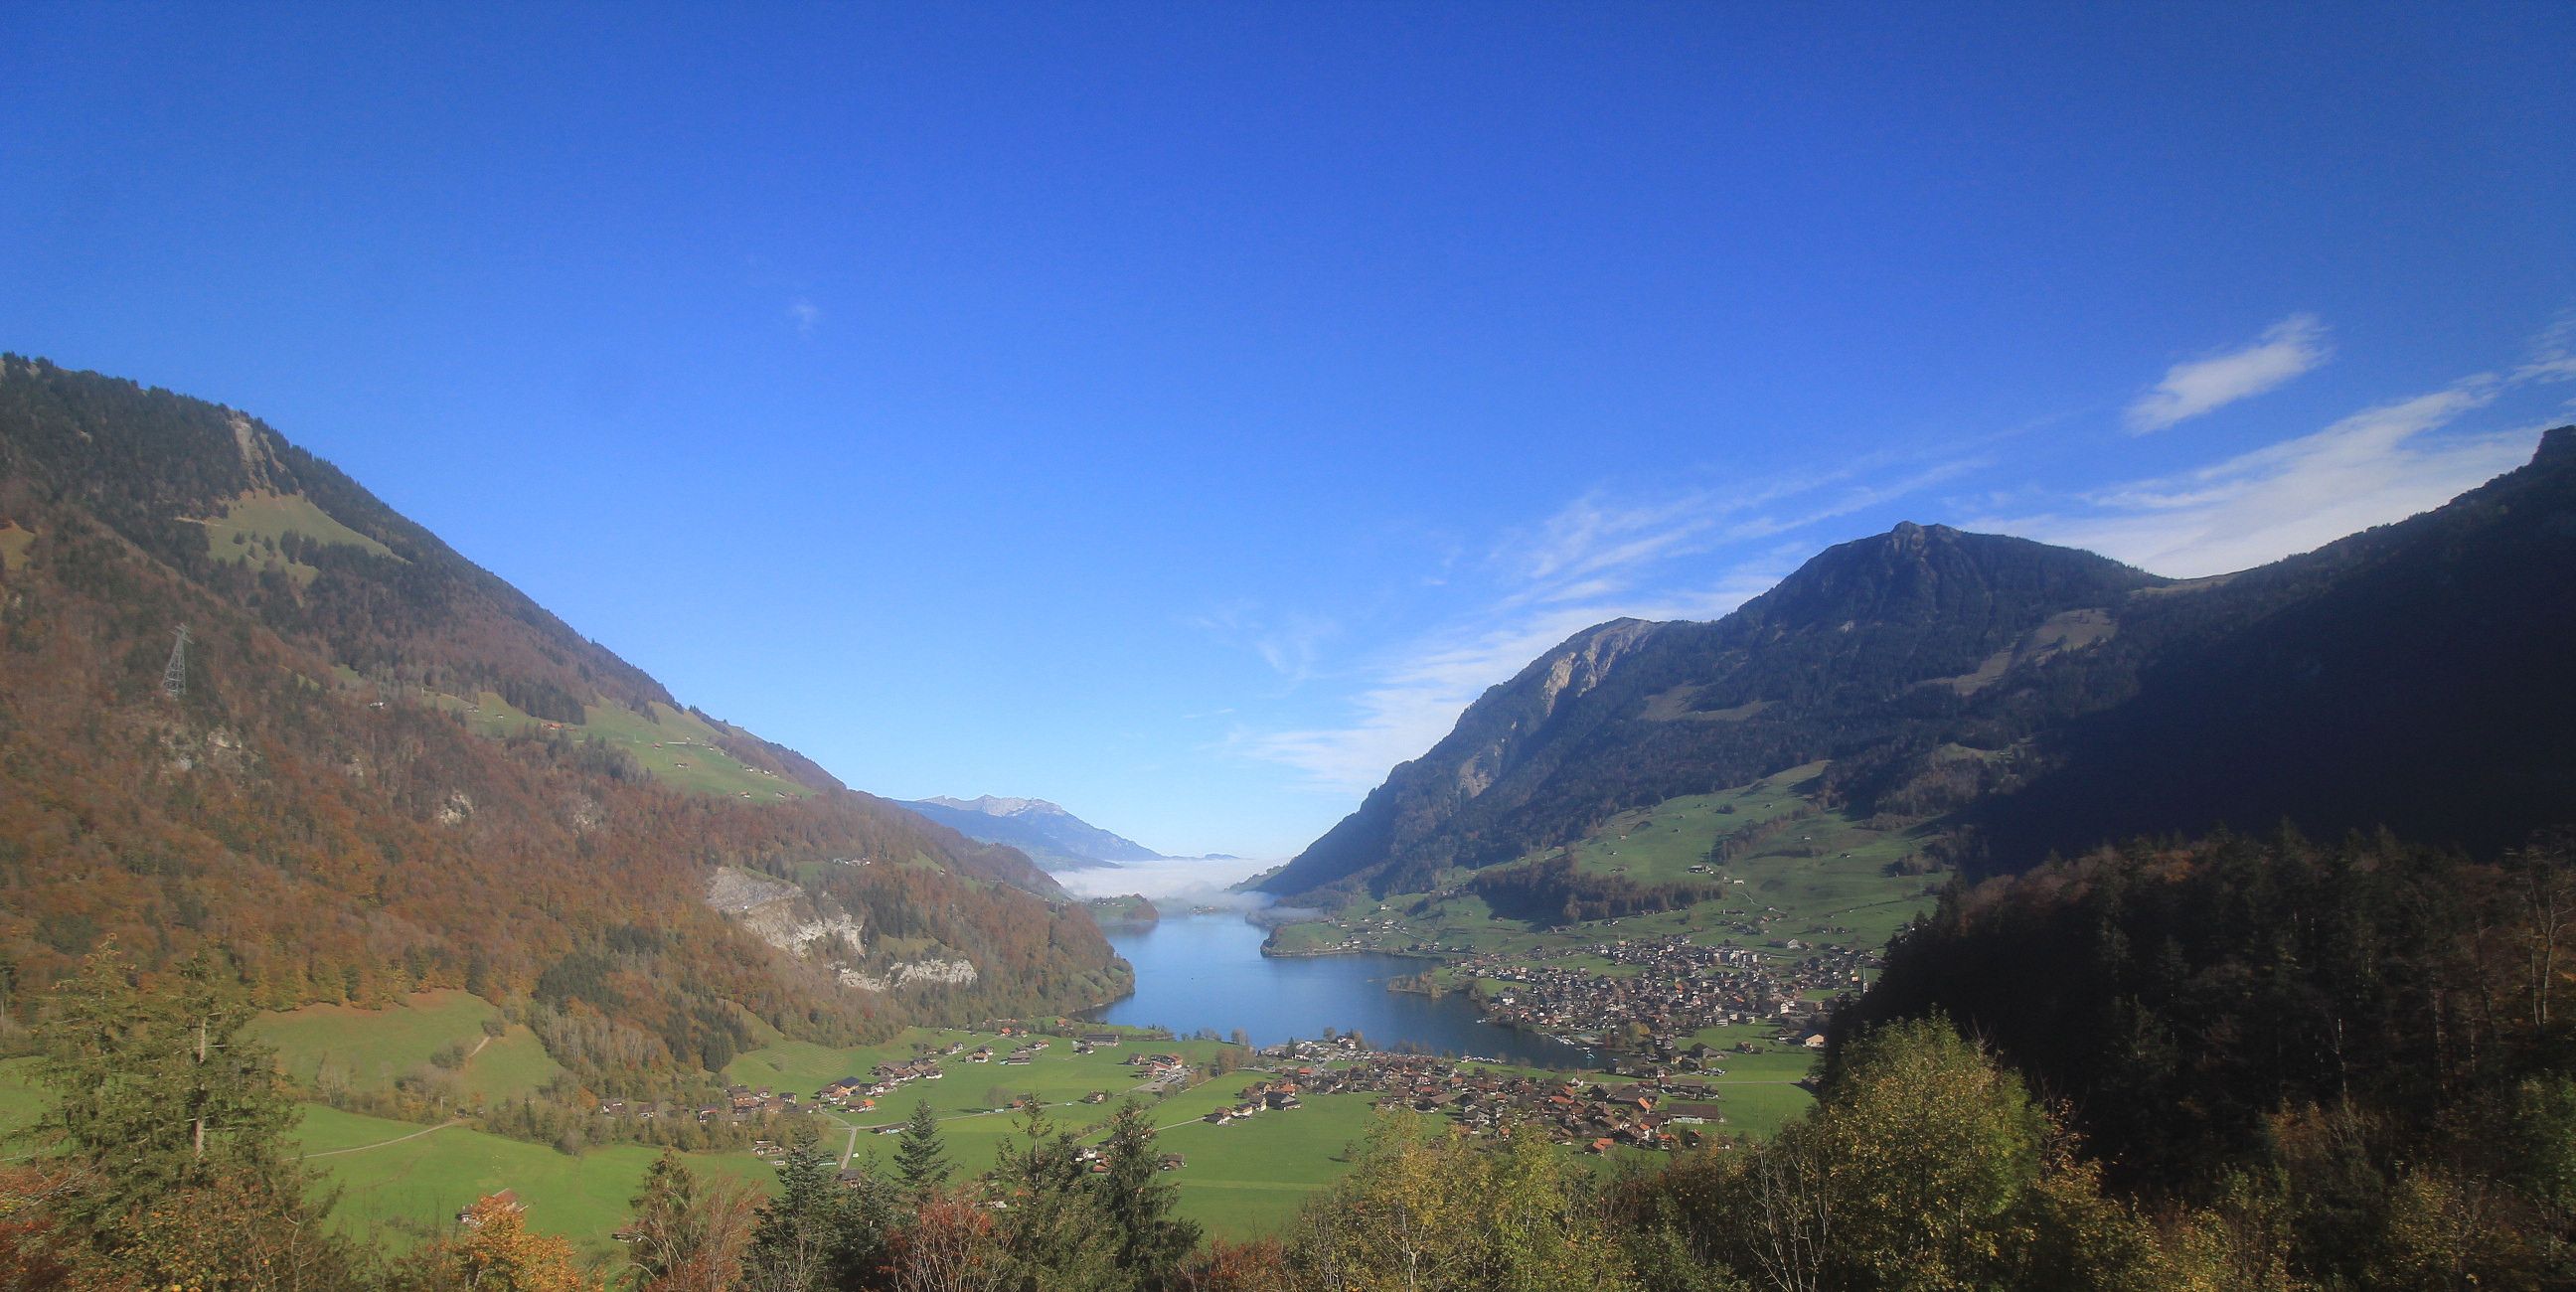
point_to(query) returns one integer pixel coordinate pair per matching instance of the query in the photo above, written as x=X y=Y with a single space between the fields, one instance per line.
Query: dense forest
x=312 y=802
x=2360 y=1028
x=2027 y=699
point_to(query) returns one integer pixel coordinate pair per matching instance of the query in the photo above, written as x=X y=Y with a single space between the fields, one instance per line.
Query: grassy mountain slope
x=391 y=771
x=2034 y=698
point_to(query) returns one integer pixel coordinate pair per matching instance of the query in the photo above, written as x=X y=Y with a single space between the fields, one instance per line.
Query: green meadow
x=972 y=1100
x=1826 y=880
x=22 y=1102
x=321 y=1046
x=252 y=526
x=400 y=1182
x=14 y=542
x=1249 y=1177
x=679 y=748
x=675 y=746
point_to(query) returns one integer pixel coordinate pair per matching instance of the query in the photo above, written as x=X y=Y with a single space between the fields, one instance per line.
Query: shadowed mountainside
x=2036 y=699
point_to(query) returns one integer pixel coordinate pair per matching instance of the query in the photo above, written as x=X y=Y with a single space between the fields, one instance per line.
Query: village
x=1655 y=1106
x=1657 y=1109
x=1674 y=989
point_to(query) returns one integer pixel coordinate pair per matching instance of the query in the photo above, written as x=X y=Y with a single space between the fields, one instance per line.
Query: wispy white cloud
x=2381 y=464
x=2553 y=354
x=2286 y=349
x=1602 y=556
x=1856 y=498
x=1698 y=552
x=1289 y=644
x=1412 y=700
x=805 y=314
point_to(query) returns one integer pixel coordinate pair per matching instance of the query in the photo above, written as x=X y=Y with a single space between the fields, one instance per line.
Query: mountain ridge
x=386 y=770
x=1875 y=656
x=1055 y=838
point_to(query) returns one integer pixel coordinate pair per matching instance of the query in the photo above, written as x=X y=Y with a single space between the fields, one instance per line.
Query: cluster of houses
x=1657 y=1112
x=1674 y=987
x=742 y=1106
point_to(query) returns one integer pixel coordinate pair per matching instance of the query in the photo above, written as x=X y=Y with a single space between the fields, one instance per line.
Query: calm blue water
x=1207 y=971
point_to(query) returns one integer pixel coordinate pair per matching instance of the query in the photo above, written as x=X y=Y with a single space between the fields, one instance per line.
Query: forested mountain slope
x=2033 y=698
x=390 y=770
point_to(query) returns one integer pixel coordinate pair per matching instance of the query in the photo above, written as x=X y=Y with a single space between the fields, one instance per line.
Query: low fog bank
x=1173 y=882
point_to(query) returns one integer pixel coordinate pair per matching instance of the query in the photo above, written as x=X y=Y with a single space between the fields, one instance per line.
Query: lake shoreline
x=1214 y=973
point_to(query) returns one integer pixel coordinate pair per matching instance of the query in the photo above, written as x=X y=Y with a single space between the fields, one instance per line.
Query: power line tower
x=174 y=679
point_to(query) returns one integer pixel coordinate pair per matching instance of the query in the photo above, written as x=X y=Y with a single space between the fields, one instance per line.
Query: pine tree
x=920 y=1161
x=817 y=1233
x=171 y=1122
x=1152 y=1243
x=1056 y=1231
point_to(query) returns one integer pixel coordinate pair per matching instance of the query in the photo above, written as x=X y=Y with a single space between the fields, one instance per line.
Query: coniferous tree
x=170 y=1119
x=1054 y=1231
x=1152 y=1243
x=920 y=1161
x=817 y=1233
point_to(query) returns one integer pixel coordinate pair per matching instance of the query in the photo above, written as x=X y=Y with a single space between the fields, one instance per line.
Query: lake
x=1207 y=971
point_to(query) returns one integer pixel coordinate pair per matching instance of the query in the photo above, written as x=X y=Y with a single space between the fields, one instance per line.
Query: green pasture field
x=399 y=1183
x=1249 y=1177
x=367 y=1049
x=22 y=1103
x=966 y=1099
x=1759 y=1091
x=1841 y=895
x=677 y=747
x=260 y=520
x=709 y=770
x=511 y=1065
x=1256 y=1172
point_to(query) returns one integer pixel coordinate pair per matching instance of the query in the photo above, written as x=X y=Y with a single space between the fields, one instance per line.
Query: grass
x=1826 y=880
x=398 y=1186
x=1242 y=1179
x=1759 y=1090
x=252 y=526
x=513 y=1064
x=368 y=1049
x=675 y=746
x=965 y=1099
x=679 y=748
x=1250 y=1177
x=22 y=1102
x=14 y=541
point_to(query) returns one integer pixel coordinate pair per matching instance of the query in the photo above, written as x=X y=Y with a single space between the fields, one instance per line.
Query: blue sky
x=1181 y=412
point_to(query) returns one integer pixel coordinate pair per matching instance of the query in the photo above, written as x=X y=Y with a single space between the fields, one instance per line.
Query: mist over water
x=1182 y=881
